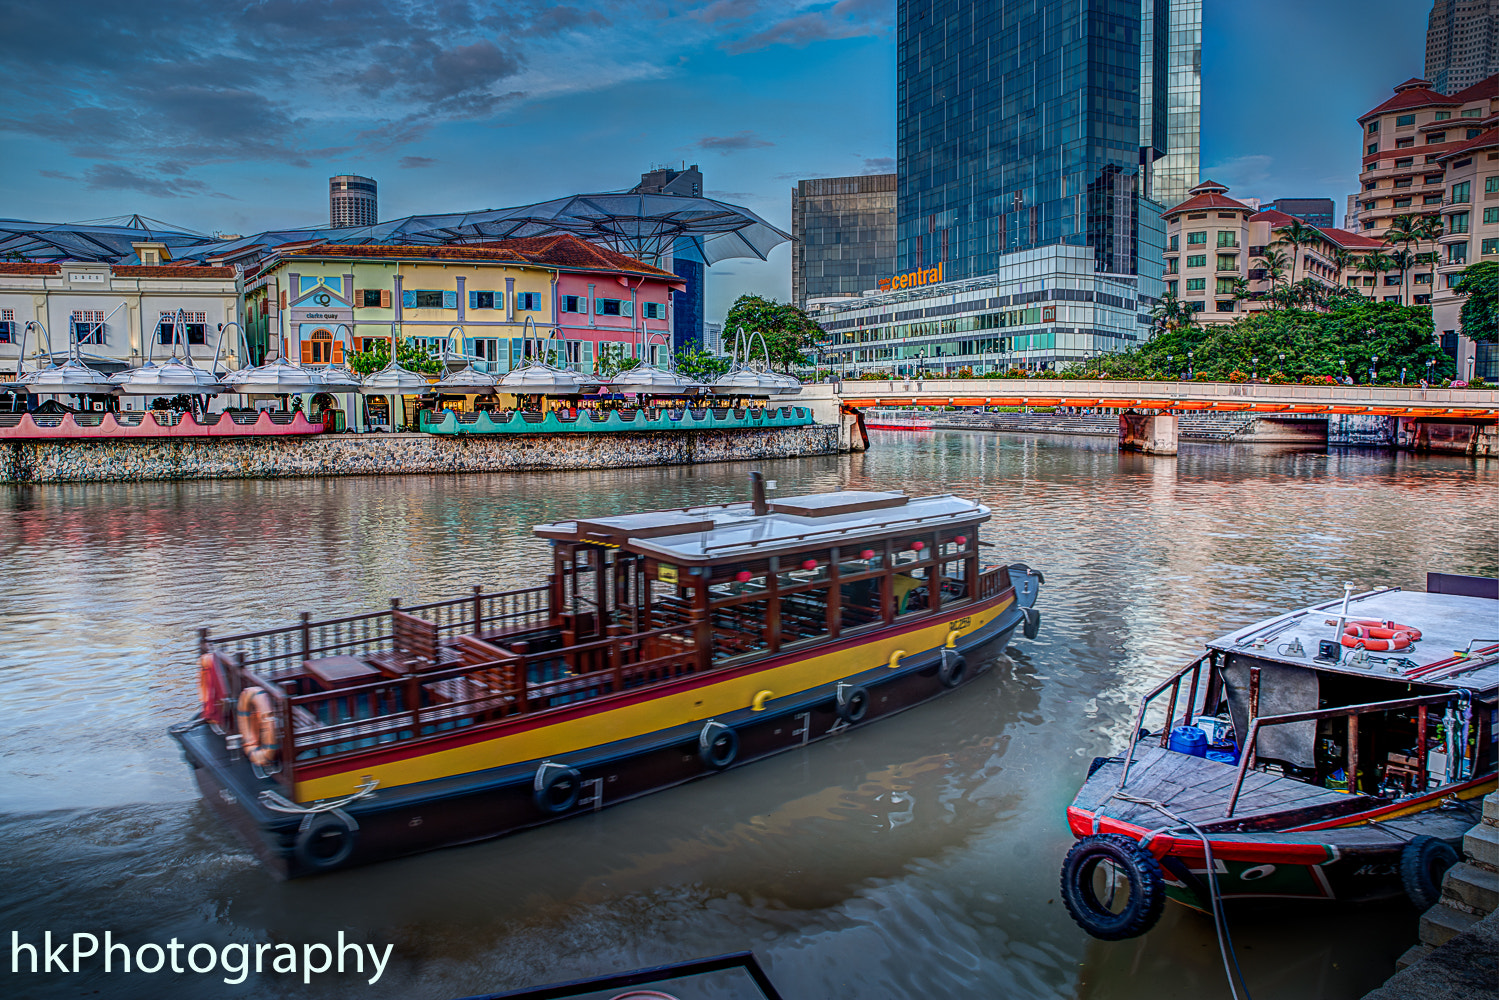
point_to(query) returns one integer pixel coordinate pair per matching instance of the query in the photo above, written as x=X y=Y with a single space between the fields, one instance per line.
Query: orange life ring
x=211 y=690
x=259 y=729
x=1379 y=636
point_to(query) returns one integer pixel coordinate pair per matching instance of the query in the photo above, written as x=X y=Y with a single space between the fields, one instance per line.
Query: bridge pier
x=1150 y=433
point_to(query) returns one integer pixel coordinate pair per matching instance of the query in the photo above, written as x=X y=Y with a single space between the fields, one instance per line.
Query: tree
x=789 y=332
x=1274 y=261
x=1480 y=288
x=1240 y=289
x=608 y=365
x=1431 y=231
x=1376 y=262
x=1402 y=261
x=410 y=357
x=1297 y=236
x=1171 y=313
x=700 y=365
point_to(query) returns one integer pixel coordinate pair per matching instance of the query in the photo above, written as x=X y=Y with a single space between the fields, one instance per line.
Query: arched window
x=322 y=348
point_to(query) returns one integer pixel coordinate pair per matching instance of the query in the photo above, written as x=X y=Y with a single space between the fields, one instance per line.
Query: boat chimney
x=757 y=494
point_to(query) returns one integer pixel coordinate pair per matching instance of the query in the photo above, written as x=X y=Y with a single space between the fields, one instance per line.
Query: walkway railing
x=613 y=421
x=151 y=424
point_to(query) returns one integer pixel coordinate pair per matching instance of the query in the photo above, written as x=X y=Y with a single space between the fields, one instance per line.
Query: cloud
x=879 y=164
x=729 y=196
x=744 y=139
x=1245 y=174
x=114 y=177
x=414 y=162
x=57 y=175
x=844 y=19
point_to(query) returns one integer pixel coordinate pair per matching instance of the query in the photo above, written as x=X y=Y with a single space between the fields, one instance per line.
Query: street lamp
x=1429 y=363
x=1402 y=375
x=1254 y=368
x=1190 y=373
x=1373 y=368
x=1170 y=363
x=1472 y=360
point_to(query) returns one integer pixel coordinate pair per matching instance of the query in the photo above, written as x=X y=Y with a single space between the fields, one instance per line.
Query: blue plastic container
x=1188 y=740
x=1226 y=752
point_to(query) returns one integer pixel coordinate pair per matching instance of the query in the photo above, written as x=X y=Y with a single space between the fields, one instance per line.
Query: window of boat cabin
x=913 y=562
x=803 y=595
x=958 y=551
x=739 y=608
x=862 y=583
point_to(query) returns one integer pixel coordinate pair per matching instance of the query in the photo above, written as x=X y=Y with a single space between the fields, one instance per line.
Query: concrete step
x=1441 y=924
x=1472 y=887
x=1412 y=955
x=1491 y=808
x=1482 y=844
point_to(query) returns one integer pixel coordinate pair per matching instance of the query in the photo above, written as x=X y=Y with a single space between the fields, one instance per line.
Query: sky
x=228 y=116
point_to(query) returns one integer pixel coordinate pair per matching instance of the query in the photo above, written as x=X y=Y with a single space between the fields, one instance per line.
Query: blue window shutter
x=450 y=300
x=408 y=299
x=473 y=300
x=626 y=307
x=598 y=307
x=468 y=345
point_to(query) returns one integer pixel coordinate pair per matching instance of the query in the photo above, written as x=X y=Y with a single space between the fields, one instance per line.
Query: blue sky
x=228 y=116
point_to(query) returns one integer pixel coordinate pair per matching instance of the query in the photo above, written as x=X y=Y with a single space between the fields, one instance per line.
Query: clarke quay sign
x=921 y=276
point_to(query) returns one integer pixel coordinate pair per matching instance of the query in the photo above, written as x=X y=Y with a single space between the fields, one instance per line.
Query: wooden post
x=1254 y=692
x=773 y=603
x=1420 y=749
x=478 y=610
x=1171 y=711
x=1352 y=764
x=835 y=593
x=702 y=625
x=887 y=587
x=306 y=617
x=1192 y=693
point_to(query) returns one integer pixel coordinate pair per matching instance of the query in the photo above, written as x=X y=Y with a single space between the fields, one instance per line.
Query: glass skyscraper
x=845 y=235
x=1027 y=123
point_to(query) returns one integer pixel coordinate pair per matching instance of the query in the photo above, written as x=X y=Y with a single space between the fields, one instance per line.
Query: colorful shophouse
x=483 y=301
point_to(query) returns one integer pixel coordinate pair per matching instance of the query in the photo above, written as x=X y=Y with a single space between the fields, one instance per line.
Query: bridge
x=1461 y=419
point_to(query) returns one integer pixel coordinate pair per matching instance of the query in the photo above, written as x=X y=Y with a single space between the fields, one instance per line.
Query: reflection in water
x=917 y=857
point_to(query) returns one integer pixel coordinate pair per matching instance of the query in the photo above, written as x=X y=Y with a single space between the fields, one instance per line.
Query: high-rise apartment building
x=1027 y=123
x=1312 y=211
x=688 y=304
x=352 y=201
x=1462 y=43
x=844 y=229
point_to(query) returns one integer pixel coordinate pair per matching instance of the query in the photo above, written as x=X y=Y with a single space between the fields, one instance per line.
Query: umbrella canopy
x=468 y=380
x=70 y=378
x=337 y=378
x=170 y=378
x=276 y=378
x=747 y=382
x=648 y=380
x=537 y=379
x=394 y=380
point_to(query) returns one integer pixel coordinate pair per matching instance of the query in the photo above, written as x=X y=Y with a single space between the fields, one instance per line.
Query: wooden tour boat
x=666 y=646
x=1368 y=730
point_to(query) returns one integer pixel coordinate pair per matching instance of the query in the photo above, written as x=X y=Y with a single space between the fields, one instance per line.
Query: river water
x=917 y=857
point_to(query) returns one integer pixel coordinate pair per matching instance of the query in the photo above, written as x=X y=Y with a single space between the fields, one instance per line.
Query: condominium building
x=1215 y=255
x=1462 y=43
x=1405 y=139
x=353 y=201
x=844 y=229
x=1470 y=234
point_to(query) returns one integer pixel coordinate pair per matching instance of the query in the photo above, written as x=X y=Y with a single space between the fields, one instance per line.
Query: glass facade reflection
x=1176 y=173
x=845 y=235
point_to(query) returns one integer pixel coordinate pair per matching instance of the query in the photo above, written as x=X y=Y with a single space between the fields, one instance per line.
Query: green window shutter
x=473 y=300
x=408 y=299
x=626 y=307
x=450 y=300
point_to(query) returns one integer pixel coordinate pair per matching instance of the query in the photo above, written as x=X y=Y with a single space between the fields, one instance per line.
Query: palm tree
x=1275 y=267
x=1344 y=260
x=1431 y=231
x=1297 y=236
x=1403 y=261
x=1171 y=313
x=1376 y=262
x=1309 y=292
x=1241 y=290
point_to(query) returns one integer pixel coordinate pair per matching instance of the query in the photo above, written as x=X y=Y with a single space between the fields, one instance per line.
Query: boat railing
x=993 y=582
x=1193 y=670
x=1351 y=713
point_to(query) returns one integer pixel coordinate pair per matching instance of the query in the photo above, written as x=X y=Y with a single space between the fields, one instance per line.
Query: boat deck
x=1198 y=790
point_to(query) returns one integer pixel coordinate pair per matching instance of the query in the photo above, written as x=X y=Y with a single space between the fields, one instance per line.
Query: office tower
x=1019 y=125
x=1462 y=43
x=352 y=201
x=687 y=305
x=844 y=230
x=1312 y=211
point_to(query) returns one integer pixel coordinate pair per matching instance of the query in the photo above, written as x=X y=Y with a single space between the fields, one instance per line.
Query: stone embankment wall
x=394 y=454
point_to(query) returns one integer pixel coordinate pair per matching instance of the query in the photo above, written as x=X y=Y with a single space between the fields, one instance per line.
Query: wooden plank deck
x=1198 y=790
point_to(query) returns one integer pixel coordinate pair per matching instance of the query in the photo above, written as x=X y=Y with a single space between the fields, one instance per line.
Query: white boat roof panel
x=1449 y=625
x=734 y=530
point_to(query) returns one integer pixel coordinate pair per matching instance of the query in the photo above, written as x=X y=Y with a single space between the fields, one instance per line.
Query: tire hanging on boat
x=852 y=703
x=717 y=745
x=1141 y=872
x=954 y=668
x=1423 y=862
x=259 y=728
x=556 y=787
x=325 y=840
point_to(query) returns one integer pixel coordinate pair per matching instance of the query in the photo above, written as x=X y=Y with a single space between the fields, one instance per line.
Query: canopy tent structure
x=645 y=226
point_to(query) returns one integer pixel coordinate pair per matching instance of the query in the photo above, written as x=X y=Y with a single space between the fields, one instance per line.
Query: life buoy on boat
x=954 y=668
x=212 y=689
x=1131 y=868
x=852 y=703
x=1423 y=862
x=1379 y=636
x=259 y=728
x=325 y=840
x=556 y=787
x=717 y=745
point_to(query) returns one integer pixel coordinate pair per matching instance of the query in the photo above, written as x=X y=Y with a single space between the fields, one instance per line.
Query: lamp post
x=1472 y=360
x=1191 y=374
x=1170 y=362
x=1254 y=368
x=1429 y=363
x=1373 y=368
x=1281 y=363
x=1343 y=365
x=1402 y=375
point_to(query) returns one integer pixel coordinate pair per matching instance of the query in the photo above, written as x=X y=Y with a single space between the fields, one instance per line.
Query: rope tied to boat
x=276 y=802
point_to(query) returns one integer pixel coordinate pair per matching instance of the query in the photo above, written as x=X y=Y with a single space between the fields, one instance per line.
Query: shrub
x=965 y=372
x=1237 y=376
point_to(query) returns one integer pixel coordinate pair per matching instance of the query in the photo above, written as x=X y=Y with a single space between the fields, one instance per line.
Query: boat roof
x=735 y=531
x=1449 y=624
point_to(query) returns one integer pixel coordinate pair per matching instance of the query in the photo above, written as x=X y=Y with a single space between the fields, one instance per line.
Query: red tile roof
x=567 y=250
x=562 y=250
x=1276 y=219
x=1416 y=97
x=1483 y=88
x=1351 y=241
x=1206 y=201
x=1488 y=137
x=26 y=267
x=170 y=271
x=376 y=251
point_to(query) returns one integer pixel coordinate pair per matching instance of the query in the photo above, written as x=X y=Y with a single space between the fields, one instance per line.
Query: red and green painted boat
x=664 y=647
x=1368 y=729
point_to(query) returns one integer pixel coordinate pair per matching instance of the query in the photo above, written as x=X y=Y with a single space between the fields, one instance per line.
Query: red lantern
x=867 y=554
x=809 y=564
x=961 y=539
x=918 y=545
x=744 y=576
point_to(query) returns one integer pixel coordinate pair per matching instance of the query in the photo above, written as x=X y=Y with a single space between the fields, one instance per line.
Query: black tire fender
x=717 y=745
x=325 y=840
x=852 y=703
x=1423 y=862
x=556 y=787
x=954 y=668
x=1142 y=872
x=1031 y=625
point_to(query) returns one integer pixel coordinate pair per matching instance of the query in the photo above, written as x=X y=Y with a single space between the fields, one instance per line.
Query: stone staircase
x=1470 y=890
x=1220 y=427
